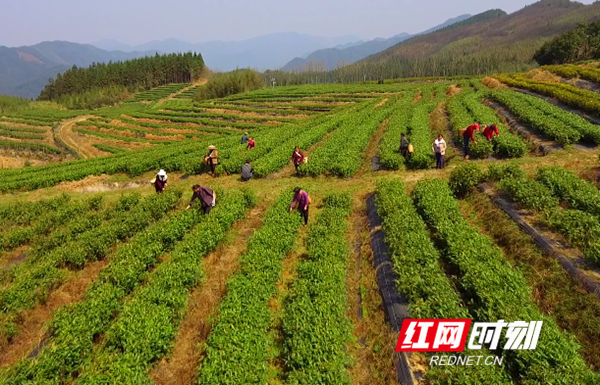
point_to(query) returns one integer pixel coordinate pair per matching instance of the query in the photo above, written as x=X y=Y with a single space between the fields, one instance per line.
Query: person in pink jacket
x=301 y=201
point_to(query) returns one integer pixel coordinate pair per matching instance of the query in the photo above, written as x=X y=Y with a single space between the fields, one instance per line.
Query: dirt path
x=373 y=347
x=289 y=169
x=32 y=328
x=372 y=160
x=65 y=133
x=18 y=159
x=381 y=103
x=418 y=97
x=203 y=304
x=13 y=257
x=254 y=114
x=439 y=123
x=199 y=82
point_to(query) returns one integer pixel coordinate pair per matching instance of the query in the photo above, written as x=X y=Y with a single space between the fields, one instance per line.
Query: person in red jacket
x=297 y=158
x=251 y=144
x=468 y=137
x=490 y=131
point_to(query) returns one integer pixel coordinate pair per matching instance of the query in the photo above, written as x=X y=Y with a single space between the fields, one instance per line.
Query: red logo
x=431 y=335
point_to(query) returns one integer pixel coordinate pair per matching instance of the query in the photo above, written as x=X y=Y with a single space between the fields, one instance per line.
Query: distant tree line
x=581 y=43
x=514 y=58
x=134 y=75
x=229 y=83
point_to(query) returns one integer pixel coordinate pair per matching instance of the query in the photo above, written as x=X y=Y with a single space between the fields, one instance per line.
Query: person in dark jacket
x=404 y=145
x=297 y=158
x=247 y=171
x=206 y=196
x=160 y=182
x=245 y=138
x=301 y=202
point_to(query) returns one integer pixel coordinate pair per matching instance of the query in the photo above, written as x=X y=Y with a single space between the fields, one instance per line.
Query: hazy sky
x=24 y=22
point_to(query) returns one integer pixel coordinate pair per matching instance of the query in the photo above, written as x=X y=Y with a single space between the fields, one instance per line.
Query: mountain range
x=261 y=52
x=24 y=71
x=331 y=58
x=492 y=41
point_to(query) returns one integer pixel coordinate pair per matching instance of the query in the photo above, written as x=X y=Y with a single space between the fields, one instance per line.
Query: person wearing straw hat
x=160 y=182
x=245 y=138
x=212 y=158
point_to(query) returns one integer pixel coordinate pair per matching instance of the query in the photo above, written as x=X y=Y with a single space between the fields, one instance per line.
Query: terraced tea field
x=103 y=281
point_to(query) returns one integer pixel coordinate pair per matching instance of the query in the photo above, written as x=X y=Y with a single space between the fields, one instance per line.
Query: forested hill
x=579 y=44
x=25 y=70
x=134 y=75
x=493 y=44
